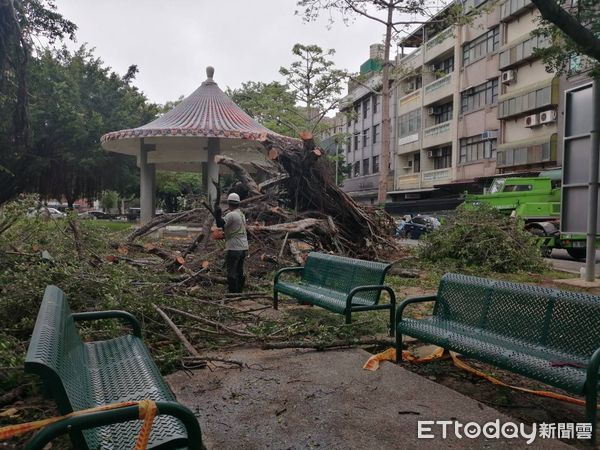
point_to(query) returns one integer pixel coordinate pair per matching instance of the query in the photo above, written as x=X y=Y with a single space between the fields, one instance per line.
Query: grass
x=110 y=225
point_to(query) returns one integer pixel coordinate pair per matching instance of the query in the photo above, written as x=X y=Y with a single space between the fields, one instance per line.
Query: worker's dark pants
x=234 y=260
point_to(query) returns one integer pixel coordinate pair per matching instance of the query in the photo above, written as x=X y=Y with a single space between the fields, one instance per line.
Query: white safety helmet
x=233 y=198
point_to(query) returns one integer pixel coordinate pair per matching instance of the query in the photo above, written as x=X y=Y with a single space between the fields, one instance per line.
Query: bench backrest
x=56 y=353
x=565 y=321
x=343 y=274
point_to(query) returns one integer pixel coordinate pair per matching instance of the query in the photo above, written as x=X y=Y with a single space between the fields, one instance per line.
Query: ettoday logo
x=436 y=429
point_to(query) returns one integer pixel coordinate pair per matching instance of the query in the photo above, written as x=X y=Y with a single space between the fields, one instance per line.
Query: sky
x=173 y=41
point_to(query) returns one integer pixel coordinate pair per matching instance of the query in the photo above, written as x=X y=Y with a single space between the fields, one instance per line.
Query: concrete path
x=291 y=399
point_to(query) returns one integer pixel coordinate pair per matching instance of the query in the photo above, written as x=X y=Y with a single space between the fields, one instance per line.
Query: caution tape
x=147 y=412
x=390 y=355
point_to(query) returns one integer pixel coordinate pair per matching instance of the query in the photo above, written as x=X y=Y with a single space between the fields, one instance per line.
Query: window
x=366 y=108
x=532 y=154
x=376 y=100
x=355 y=141
x=376 y=133
x=445 y=113
x=348 y=147
x=446 y=66
x=522 y=51
x=518 y=188
x=366 y=166
x=417 y=163
x=537 y=98
x=513 y=7
x=409 y=123
x=365 y=136
x=485 y=94
x=375 y=164
x=356 y=112
x=443 y=157
x=474 y=148
x=357 y=169
x=481 y=46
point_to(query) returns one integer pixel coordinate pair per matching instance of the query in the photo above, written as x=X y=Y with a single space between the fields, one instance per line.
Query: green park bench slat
x=81 y=375
x=526 y=329
x=339 y=284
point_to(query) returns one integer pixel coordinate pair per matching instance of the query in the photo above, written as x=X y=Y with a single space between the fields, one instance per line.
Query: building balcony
x=432 y=177
x=412 y=61
x=438 y=134
x=405 y=182
x=409 y=101
x=439 y=89
x=440 y=43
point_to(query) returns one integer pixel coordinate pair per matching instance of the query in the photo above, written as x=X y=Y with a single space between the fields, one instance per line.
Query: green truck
x=536 y=200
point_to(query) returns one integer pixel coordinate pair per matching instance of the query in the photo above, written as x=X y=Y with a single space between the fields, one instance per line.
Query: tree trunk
x=241 y=173
x=384 y=167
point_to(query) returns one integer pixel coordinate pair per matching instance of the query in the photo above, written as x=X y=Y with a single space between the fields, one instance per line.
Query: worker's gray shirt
x=235 y=230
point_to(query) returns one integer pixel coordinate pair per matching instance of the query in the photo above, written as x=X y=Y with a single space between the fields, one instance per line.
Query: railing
x=410 y=57
x=439 y=38
x=408 y=139
x=440 y=82
x=437 y=129
x=433 y=175
x=410 y=97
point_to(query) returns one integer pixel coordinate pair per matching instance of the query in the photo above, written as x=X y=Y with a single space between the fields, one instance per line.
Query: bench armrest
x=110 y=314
x=593 y=367
x=374 y=287
x=286 y=269
x=411 y=300
x=97 y=419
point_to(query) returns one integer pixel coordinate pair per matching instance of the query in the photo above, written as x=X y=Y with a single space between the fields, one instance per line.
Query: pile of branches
x=298 y=203
x=482 y=240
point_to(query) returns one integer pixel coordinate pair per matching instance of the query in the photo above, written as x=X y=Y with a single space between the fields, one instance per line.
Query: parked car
x=415 y=227
x=45 y=211
x=93 y=215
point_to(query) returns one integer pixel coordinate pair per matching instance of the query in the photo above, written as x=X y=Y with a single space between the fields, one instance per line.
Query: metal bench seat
x=82 y=375
x=339 y=284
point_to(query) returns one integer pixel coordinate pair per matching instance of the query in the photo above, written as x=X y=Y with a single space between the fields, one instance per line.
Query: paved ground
x=290 y=399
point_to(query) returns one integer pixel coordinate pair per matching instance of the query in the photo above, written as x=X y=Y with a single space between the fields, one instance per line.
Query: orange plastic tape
x=148 y=411
x=390 y=355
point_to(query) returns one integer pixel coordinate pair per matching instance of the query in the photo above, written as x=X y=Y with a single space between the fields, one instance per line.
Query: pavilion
x=187 y=139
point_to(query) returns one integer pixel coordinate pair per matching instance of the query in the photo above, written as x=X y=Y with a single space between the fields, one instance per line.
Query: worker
x=236 y=242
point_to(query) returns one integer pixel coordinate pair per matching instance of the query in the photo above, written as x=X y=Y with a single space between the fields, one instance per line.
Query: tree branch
x=552 y=12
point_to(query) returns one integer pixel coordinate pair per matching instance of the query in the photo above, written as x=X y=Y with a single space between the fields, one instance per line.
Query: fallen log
x=241 y=173
x=160 y=222
x=297 y=227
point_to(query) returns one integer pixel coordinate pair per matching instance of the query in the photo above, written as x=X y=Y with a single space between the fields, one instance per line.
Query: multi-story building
x=362 y=109
x=469 y=102
x=446 y=105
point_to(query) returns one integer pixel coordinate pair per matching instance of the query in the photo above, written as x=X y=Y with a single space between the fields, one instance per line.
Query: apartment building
x=362 y=112
x=447 y=119
x=474 y=101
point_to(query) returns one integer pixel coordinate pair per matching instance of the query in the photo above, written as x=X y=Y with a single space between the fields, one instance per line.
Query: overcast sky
x=173 y=41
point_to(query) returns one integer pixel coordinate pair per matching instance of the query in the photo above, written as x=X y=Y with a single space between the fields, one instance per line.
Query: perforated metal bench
x=81 y=375
x=339 y=284
x=549 y=335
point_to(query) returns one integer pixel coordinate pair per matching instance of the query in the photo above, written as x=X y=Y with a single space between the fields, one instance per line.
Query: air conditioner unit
x=490 y=134
x=408 y=165
x=532 y=121
x=434 y=110
x=409 y=88
x=548 y=116
x=430 y=153
x=508 y=76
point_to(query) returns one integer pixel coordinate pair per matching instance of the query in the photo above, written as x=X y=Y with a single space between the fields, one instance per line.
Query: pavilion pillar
x=212 y=170
x=205 y=177
x=147 y=185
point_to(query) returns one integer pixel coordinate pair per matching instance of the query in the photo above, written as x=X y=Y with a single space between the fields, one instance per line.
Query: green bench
x=81 y=375
x=549 y=335
x=339 y=284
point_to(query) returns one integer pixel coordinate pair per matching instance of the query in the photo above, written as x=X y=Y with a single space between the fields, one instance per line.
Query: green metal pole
x=590 y=260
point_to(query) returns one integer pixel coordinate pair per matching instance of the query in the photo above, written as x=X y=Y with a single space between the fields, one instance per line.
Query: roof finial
x=210 y=71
